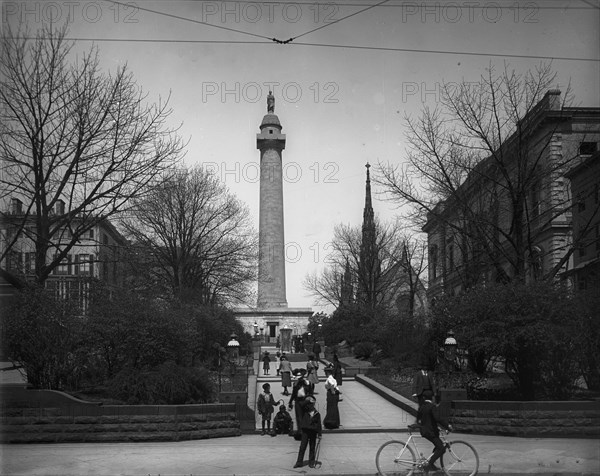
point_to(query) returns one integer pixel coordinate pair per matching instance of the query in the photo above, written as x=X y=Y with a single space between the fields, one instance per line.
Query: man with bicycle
x=429 y=418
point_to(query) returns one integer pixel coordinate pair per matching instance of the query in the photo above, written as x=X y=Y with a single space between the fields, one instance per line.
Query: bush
x=365 y=350
x=167 y=384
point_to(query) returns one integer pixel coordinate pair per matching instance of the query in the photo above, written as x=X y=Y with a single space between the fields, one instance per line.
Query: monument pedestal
x=272 y=320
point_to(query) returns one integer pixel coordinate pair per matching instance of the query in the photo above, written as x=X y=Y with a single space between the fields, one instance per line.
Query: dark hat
x=266 y=386
x=299 y=372
x=427 y=394
x=281 y=408
x=310 y=399
x=329 y=368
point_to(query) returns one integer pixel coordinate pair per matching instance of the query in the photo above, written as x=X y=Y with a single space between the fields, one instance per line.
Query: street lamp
x=318 y=331
x=233 y=348
x=255 y=328
x=450 y=346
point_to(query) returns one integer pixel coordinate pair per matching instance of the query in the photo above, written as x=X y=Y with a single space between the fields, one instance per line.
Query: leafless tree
x=196 y=238
x=485 y=164
x=395 y=256
x=76 y=143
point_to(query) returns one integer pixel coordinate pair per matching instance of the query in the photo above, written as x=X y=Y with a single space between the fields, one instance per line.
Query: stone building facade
x=459 y=249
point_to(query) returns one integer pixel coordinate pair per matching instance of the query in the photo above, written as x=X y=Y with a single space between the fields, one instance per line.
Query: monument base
x=268 y=322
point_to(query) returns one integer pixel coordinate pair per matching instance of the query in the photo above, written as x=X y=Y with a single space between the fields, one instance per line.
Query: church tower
x=271 y=266
x=369 y=265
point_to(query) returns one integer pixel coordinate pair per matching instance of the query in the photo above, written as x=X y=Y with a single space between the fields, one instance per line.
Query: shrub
x=167 y=384
x=364 y=350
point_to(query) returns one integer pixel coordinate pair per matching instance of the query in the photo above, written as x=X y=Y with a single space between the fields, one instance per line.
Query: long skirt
x=286 y=379
x=332 y=418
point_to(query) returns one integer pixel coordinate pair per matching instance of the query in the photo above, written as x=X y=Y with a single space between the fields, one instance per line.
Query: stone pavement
x=341 y=454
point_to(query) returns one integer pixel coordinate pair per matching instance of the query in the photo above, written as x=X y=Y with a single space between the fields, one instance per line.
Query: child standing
x=266 y=363
x=266 y=403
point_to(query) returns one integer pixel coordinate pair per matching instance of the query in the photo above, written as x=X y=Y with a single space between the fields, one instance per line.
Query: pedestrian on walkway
x=266 y=362
x=429 y=418
x=317 y=350
x=283 y=423
x=300 y=391
x=422 y=381
x=266 y=404
x=285 y=369
x=312 y=366
x=312 y=429
x=337 y=369
x=332 y=416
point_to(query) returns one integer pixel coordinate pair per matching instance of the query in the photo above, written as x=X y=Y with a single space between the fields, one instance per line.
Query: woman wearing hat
x=332 y=417
x=312 y=366
x=285 y=370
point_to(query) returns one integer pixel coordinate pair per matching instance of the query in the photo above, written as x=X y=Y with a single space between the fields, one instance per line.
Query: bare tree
x=487 y=164
x=344 y=269
x=196 y=238
x=76 y=143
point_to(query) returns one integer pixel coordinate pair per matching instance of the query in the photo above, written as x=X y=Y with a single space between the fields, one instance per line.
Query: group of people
x=303 y=403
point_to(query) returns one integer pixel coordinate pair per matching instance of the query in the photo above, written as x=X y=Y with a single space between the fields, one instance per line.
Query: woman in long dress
x=312 y=366
x=285 y=369
x=332 y=418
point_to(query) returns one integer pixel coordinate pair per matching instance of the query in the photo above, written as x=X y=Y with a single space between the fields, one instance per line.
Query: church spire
x=369 y=266
x=368 y=215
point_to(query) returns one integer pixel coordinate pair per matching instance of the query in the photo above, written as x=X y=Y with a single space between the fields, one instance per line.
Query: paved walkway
x=341 y=454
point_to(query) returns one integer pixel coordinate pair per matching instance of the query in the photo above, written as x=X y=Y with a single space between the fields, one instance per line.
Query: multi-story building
x=473 y=236
x=585 y=189
x=96 y=254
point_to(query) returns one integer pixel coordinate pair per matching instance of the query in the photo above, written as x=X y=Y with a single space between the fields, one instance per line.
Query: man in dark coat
x=422 y=381
x=429 y=418
x=311 y=430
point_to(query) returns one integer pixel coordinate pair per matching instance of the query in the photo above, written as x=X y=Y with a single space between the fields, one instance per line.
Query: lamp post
x=255 y=329
x=318 y=331
x=450 y=346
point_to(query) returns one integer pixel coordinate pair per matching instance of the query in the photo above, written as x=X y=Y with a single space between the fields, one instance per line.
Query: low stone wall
x=45 y=416
x=527 y=419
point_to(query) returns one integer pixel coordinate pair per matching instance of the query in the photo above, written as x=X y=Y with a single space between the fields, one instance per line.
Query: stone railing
x=527 y=419
x=45 y=416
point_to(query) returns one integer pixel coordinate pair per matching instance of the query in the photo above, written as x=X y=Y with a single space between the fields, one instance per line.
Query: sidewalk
x=341 y=454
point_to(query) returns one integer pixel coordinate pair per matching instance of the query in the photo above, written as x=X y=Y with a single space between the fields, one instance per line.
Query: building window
x=588 y=148
x=29 y=263
x=16 y=206
x=85 y=264
x=64 y=268
x=581 y=202
x=450 y=251
x=60 y=207
x=433 y=261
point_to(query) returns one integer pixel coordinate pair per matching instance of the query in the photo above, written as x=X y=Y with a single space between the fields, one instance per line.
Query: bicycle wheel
x=460 y=459
x=394 y=458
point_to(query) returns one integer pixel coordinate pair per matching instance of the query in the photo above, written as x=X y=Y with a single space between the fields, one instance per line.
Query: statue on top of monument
x=270 y=102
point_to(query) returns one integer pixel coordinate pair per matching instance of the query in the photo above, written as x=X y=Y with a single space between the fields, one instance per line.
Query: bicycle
x=397 y=458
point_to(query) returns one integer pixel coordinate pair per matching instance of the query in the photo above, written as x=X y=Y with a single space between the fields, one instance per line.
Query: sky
x=343 y=86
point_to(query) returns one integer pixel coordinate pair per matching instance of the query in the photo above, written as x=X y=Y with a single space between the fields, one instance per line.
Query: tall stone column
x=271 y=266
